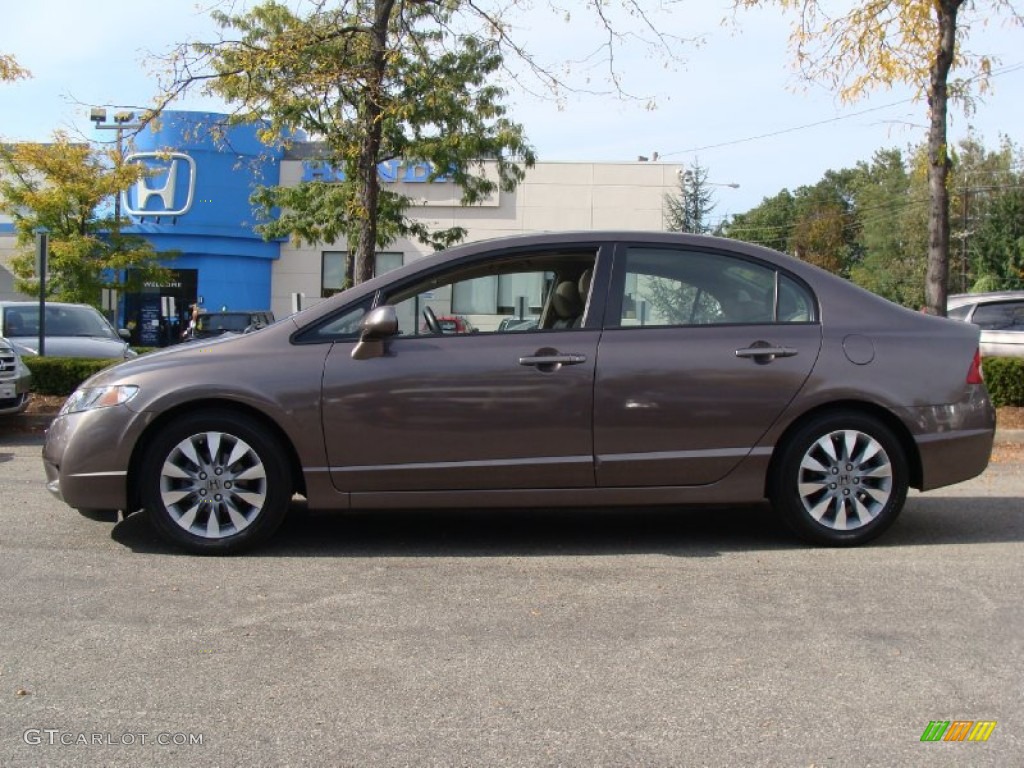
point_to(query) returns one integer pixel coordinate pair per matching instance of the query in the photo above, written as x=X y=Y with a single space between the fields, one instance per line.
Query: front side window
x=671 y=287
x=526 y=293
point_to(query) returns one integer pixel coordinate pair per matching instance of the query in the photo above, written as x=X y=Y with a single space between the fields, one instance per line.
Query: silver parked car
x=999 y=315
x=663 y=369
x=15 y=379
x=72 y=330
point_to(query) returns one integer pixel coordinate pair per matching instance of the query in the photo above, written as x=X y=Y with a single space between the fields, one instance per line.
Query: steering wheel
x=431 y=320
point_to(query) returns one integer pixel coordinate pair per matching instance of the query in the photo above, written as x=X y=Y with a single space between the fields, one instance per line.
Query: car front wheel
x=215 y=483
x=841 y=480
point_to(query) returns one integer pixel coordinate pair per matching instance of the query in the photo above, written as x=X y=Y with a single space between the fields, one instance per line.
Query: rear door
x=702 y=351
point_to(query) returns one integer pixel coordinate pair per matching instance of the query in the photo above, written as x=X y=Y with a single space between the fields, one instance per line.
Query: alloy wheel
x=213 y=484
x=845 y=479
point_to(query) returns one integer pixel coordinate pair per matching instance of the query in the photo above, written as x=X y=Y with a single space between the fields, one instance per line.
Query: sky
x=730 y=100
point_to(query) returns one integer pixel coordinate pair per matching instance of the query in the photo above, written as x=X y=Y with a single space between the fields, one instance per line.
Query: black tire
x=215 y=483
x=841 y=479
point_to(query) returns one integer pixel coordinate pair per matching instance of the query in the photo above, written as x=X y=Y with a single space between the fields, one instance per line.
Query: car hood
x=188 y=354
x=74 y=346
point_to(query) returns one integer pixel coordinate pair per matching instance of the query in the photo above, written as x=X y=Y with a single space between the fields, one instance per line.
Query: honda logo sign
x=167 y=173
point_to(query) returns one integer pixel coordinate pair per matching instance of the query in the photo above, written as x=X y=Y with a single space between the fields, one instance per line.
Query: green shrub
x=62 y=375
x=1004 y=377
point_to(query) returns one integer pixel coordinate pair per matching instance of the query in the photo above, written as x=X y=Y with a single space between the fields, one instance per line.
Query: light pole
x=695 y=202
x=122 y=122
x=687 y=176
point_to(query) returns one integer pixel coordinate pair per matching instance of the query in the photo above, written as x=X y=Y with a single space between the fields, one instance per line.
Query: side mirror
x=378 y=325
x=124 y=333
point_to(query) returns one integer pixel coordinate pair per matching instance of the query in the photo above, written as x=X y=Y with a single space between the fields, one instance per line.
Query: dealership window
x=334 y=268
x=501 y=294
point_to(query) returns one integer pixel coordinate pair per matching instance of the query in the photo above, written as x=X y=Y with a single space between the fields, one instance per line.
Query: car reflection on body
x=663 y=369
x=72 y=330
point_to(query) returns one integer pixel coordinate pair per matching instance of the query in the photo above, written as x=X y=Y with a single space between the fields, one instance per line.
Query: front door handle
x=567 y=359
x=763 y=352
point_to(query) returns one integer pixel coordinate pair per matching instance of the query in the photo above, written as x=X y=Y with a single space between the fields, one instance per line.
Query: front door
x=489 y=384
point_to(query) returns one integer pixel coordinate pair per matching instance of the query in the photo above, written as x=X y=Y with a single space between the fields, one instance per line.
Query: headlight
x=90 y=398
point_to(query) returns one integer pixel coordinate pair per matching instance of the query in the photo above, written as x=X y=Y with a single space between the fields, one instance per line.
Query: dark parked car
x=664 y=369
x=72 y=330
x=1000 y=316
x=210 y=324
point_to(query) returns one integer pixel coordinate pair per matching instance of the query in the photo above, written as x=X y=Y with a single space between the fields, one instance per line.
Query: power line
x=995 y=73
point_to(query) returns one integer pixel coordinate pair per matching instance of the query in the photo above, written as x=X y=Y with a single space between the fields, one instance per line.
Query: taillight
x=975 y=375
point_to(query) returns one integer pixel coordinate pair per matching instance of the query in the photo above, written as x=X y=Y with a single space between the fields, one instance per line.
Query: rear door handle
x=553 y=360
x=766 y=353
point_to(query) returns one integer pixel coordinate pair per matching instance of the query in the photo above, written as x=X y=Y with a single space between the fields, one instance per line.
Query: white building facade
x=552 y=197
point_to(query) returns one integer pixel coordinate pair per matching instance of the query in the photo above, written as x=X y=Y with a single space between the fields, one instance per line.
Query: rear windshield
x=223 y=322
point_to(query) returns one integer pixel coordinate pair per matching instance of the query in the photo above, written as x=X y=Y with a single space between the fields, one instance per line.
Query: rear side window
x=673 y=287
x=1003 y=316
x=960 y=313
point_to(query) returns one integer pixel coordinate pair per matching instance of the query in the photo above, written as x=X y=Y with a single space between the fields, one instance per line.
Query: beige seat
x=566 y=305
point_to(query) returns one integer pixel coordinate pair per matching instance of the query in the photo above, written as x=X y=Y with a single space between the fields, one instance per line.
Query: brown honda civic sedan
x=596 y=368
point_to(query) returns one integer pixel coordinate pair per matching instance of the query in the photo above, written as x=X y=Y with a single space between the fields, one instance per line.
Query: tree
x=814 y=223
x=768 y=224
x=983 y=184
x=10 y=70
x=999 y=245
x=890 y=206
x=66 y=187
x=375 y=81
x=379 y=81
x=824 y=229
x=690 y=210
x=879 y=43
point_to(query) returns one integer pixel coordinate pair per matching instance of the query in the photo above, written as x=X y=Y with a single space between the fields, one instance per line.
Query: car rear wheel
x=215 y=483
x=841 y=480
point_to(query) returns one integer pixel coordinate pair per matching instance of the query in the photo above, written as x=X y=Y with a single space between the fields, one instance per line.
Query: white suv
x=999 y=315
x=15 y=379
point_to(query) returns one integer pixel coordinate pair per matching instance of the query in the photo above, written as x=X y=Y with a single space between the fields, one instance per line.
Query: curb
x=38 y=423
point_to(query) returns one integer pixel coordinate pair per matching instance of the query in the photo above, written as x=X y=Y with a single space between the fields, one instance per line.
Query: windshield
x=64 y=320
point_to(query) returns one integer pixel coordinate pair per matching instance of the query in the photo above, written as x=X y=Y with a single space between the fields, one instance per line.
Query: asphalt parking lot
x=619 y=638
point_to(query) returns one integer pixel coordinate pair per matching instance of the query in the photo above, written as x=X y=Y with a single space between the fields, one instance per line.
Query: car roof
x=959 y=299
x=48 y=303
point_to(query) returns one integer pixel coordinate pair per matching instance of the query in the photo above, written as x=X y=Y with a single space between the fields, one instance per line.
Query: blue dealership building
x=195 y=204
